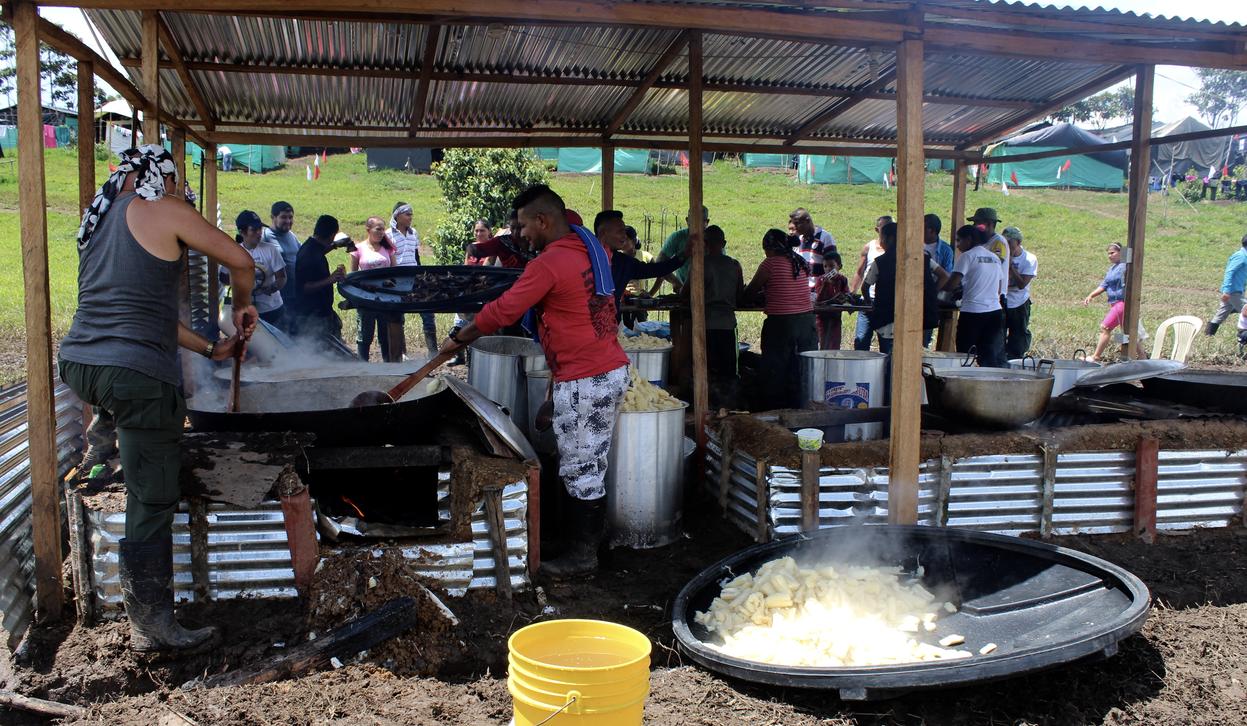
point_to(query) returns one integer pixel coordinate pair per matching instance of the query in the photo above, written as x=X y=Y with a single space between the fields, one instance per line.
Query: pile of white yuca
x=830 y=616
x=643 y=341
x=645 y=396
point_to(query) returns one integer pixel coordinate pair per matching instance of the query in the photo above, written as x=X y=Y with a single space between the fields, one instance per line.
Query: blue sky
x=1173 y=83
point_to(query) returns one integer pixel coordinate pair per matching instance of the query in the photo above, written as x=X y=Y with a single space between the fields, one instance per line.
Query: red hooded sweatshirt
x=578 y=329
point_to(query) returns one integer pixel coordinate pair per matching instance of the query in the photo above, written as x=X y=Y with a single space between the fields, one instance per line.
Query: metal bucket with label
x=847 y=379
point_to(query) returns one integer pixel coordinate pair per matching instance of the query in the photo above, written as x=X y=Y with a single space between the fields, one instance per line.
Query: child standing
x=1114 y=285
x=830 y=287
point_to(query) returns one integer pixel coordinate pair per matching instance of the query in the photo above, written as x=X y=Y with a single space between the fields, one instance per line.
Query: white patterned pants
x=584 y=424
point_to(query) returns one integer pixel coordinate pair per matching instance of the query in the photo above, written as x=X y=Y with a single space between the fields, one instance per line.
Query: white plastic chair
x=1185 y=328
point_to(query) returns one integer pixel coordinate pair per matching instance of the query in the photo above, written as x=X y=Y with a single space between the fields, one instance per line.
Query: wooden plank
x=696 y=253
x=1146 y=465
x=608 y=176
x=197 y=522
x=86 y=138
x=41 y=410
x=56 y=37
x=498 y=540
x=210 y=213
x=149 y=41
x=811 y=461
x=300 y=523
x=1048 y=452
x=664 y=62
x=80 y=557
x=56 y=709
x=823 y=118
x=761 y=501
x=725 y=468
x=906 y=397
x=534 y=517
x=393 y=618
x=1136 y=222
x=184 y=74
x=420 y=102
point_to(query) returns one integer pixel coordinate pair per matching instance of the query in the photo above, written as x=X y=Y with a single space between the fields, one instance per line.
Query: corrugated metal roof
x=359 y=76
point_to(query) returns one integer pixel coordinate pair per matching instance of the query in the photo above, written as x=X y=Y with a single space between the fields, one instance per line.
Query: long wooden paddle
x=376 y=398
x=235 y=386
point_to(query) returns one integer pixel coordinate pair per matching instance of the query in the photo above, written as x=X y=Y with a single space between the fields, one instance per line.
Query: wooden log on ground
x=39 y=705
x=393 y=618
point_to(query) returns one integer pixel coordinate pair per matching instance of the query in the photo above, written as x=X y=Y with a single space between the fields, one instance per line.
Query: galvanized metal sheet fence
x=1057 y=493
x=17 y=556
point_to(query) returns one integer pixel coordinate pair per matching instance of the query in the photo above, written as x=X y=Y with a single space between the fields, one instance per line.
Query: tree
x=1220 y=96
x=479 y=184
x=1117 y=103
x=58 y=71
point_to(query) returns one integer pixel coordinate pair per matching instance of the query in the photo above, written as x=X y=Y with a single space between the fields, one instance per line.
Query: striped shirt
x=785 y=295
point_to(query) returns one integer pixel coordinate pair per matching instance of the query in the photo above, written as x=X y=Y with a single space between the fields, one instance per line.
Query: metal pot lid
x=1128 y=371
x=990 y=374
x=492 y=417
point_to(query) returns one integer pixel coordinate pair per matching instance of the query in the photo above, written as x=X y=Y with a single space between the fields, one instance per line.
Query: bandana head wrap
x=150 y=163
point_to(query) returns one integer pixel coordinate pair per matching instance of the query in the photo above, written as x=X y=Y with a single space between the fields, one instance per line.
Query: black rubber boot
x=587 y=530
x=430 y=342
x=1211 y=329
x=147 y=587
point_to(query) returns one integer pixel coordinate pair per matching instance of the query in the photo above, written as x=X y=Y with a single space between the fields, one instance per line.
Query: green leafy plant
x=1192 y=190
x=479 y=184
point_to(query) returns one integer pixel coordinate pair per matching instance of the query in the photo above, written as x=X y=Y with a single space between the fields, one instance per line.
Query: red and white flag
x=316 y=171
x=1013 y=176
x=309 y=171
x=324 y=156
x=1004 y=187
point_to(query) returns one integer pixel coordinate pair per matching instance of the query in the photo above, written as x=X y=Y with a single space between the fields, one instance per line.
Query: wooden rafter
x=432 y=38
x=664 y=62
x=1098 y=83
x=179 y=64
x=62 y=40
x=822 y=118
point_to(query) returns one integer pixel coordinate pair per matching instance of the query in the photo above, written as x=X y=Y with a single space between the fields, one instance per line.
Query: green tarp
x=253 y=157
x=1084 y=172
x=813 y=169
x=589 y=161
x=767 y=161
x=547 y=153
x=939 y=164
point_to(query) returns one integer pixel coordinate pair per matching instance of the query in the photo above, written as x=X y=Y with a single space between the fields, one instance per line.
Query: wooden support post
x=696 y=248
x=86 y=136
x=149 y=44
x=197 y=522
x=761 y=500
x=296 y=510
x=80 y=557
x=41 y=408
x=1146 y=473
x=1048 y=454
x=725 y=468
x=498 y=538
x=177 y=144
x=906 y=402
x=608 y=176
x=810 y=463
x=1136 y=226
x=534 y=517
x=210 y=213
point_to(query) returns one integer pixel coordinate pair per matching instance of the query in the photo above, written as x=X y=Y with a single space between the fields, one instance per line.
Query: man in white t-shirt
x=986 y=219
x=1023 y=267
x=978 y=273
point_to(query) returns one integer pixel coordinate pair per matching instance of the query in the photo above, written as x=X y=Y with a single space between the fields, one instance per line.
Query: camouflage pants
x=584 y=423
x=102 y=433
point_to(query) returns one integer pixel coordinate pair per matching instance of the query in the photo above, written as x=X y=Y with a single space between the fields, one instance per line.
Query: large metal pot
x=652 y=364
x=1000 y=398
x=1065 y=371
x=645 y=478
x=498 y=367
x=945 y=360
x=847 y=379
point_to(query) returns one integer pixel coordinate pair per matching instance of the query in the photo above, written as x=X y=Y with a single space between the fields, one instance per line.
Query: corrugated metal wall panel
x=1093 y=492
x=1200 y=488
x=17 y=557
x=1002 y=494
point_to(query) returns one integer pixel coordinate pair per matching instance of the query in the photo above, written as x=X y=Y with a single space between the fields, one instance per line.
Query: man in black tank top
x=121 y=356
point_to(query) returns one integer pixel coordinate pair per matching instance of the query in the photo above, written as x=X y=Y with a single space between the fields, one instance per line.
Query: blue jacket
x=943 y=255
x=1235 y=272
x=625 y=268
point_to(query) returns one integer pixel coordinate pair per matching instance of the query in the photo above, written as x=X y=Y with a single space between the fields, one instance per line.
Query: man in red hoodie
x=579 y=334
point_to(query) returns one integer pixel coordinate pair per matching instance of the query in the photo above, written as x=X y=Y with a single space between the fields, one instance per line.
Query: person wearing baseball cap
x=986 y=219
x=1023 y=266
x=270 y=267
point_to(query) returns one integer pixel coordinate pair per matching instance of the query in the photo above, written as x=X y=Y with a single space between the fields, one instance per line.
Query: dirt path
x=1188 y=666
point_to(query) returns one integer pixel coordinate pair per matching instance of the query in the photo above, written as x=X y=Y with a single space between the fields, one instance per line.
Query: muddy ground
x=1188 y=666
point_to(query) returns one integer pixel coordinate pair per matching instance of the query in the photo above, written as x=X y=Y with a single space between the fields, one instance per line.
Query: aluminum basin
x=999 y=398
x=1042 y=605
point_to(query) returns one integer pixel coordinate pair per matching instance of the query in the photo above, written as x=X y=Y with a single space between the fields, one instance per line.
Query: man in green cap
x=986 y=219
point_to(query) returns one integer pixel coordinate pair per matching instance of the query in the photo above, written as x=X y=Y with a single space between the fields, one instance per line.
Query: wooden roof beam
x=1099 y=83
x=60 y=39
x=192 y=88
x=664 y=62
x=431 y=40
x=821 y=119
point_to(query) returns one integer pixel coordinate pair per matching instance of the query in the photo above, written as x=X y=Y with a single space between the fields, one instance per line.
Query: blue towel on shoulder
x=603 y=283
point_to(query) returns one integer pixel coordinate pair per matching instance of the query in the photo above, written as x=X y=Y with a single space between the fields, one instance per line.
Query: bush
x=103 y=153
x=1193 y=191
x=479 y=184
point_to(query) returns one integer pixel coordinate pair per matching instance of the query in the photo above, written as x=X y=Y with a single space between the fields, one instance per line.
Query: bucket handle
x=572 y=698
x=1031 y=358
x=971 y=357
x=1080 y=354
x=1047 y=366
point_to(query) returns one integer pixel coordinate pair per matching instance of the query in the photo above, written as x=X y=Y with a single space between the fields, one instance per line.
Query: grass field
x=1067 y=230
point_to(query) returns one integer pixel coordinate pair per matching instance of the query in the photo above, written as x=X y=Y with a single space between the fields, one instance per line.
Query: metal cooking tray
x=1042 y=605
x=384 y=289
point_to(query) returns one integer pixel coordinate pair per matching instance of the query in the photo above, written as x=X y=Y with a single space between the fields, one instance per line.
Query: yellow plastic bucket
x=585 y=672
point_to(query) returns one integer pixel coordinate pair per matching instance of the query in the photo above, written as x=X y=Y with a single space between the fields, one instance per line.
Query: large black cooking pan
x=426 y=288
x=1223 y=391
x=1042 y=605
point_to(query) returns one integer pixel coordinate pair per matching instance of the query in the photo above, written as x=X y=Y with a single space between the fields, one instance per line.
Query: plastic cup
x=810 y=439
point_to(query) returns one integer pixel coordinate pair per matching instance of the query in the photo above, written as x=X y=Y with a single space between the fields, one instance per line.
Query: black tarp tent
x=1200 y=155
x=415 y=160
x=1094 y=170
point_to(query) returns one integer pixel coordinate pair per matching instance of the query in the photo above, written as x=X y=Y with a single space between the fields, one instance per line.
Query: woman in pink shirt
x=783 y=279
x=374 y=251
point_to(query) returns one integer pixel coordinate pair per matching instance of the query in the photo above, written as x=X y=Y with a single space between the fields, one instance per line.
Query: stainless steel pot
x=645 y=478
x=995 y=397
x=1065 y=371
